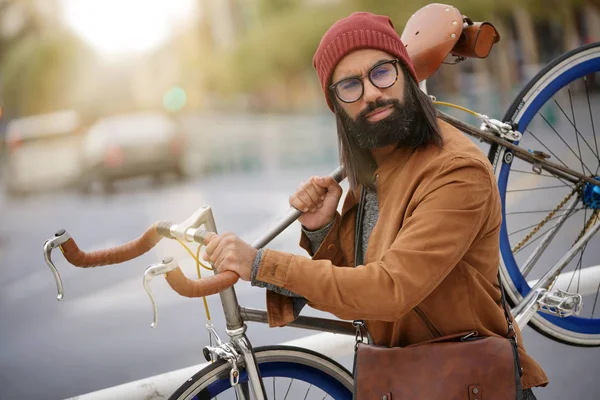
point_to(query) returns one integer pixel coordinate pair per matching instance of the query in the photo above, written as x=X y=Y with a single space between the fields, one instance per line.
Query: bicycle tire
x=273 y=362
x=547 y=83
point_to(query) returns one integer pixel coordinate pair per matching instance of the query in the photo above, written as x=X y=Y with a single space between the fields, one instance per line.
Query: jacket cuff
x=331 y=237
x=273 y=267
x=255 y=266
x=317 y=237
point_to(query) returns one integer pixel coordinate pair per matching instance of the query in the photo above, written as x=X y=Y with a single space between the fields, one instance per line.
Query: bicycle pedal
x=560 y=303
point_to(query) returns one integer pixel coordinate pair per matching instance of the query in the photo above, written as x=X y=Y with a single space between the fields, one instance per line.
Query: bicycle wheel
x=556 y=113
x=286 y=371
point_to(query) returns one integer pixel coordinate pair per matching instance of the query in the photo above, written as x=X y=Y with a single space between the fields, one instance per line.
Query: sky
x=125 y=27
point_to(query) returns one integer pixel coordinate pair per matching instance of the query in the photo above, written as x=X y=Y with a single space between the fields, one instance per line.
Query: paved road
x=99 y=335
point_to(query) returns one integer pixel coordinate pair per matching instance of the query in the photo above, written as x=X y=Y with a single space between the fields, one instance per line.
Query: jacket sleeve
x=281 y=309
x=451 y=210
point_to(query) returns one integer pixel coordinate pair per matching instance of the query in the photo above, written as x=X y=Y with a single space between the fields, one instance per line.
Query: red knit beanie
x=361 y=30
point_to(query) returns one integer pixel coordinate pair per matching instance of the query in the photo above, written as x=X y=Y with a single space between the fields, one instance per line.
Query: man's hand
x=230 y=253
x=318 y=199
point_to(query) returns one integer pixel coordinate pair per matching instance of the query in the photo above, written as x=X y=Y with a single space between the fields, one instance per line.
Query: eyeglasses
x=382 y=75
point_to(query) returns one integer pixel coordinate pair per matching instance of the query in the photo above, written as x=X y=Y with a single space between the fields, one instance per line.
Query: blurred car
x=42 y=152
x=131 y=145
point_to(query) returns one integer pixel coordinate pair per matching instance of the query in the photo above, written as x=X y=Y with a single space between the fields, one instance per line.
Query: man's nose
x=371 y=93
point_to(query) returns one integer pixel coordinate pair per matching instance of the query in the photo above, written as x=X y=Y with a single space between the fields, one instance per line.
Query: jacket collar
x=387 y=168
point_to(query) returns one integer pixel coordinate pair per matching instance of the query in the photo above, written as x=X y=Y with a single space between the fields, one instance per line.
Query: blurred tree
x=272 y=60
x=39 y=74
x=23 y=22
x=275 y=54
x=38 y=61
x=269 y=8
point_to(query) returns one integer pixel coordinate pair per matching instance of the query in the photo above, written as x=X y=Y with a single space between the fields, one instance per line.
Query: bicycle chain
x=544 y=221
x=593 y=218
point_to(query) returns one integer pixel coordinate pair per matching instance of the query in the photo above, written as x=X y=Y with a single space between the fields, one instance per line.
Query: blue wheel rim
x=278 y=369
x=574 y=324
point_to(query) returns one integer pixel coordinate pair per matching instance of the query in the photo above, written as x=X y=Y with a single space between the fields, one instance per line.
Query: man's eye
x=349 y=85
x=380 y=72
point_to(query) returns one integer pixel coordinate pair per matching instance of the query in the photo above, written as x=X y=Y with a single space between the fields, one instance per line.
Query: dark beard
x=397 y=128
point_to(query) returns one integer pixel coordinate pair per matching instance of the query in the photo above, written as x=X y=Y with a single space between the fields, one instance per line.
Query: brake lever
x=163 y=267
x=58 y=240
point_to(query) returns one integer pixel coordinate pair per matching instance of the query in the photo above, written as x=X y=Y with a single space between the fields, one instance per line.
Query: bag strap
x=359 y=325
x=511 y=329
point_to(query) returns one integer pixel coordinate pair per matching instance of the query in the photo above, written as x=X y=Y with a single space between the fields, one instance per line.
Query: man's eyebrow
x=356 y=75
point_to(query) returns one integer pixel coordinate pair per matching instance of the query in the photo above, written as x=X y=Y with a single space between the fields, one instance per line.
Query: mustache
x=372 y=106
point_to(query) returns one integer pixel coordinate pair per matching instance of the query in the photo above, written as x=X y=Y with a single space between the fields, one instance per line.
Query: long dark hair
x=359 y=164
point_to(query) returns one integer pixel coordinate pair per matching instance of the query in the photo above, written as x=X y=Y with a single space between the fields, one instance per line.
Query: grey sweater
x=370 y=215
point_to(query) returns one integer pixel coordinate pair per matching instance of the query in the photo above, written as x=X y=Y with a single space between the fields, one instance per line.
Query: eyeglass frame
x=361 y=78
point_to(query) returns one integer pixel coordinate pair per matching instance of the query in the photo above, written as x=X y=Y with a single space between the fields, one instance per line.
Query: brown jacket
x=434 y=252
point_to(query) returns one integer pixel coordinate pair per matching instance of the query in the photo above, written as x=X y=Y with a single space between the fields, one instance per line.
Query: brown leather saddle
x=437 y=31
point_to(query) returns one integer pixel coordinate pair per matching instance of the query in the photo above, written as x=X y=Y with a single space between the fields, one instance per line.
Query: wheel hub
x=591 y=195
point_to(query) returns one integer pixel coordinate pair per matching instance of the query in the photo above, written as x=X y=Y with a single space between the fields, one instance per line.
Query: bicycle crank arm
x=165 y=266
x=58 y=240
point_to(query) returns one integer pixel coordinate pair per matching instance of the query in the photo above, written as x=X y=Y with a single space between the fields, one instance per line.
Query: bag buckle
x=469 y=335
x=359 y=338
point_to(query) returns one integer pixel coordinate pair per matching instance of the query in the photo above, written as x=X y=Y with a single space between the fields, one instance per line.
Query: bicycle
x=554 y=312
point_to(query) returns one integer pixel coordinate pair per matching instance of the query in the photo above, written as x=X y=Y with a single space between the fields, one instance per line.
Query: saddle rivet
x=384 y=398
x=475 y=390
x=453 y=35
x=454 y=22
x=447 y=10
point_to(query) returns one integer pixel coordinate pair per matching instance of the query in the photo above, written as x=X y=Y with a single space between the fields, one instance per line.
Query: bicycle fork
x=238 y=353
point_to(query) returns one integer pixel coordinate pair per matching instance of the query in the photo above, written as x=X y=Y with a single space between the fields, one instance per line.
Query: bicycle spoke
x=591 y=120
x=533 y=212
x=577 y=133
x=288 y=390
x=532 y=173
x=546 y=147
x=274 y=396
x=538 y=212
x=535 y=240
x=306 y=395
x=566 y=144
x=531 y=226
x=577 y=268
x=582 y=251
x=596 y=300
x=544 y=175
x=539 y=188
